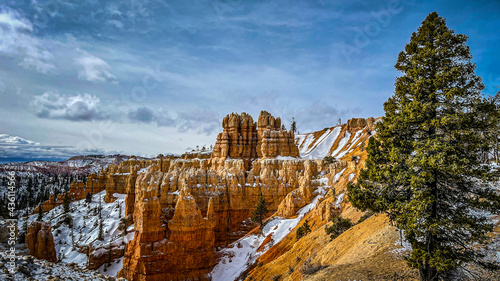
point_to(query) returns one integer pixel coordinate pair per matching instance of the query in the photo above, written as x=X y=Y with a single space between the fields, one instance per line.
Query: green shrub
x=329 y=160
x=339 y=226
x=303 y=230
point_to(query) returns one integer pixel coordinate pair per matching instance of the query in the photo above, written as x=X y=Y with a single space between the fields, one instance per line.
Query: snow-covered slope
x=241 y=254
x=29 y=268
x=336 y=141
x=84 y=232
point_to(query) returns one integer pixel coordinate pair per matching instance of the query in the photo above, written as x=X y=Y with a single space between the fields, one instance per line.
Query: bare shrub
x=309 y=268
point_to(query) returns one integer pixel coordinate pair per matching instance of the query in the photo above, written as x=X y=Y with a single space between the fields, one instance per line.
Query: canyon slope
x=188 y=217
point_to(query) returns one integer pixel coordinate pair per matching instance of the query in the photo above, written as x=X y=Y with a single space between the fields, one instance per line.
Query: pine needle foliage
x=260 y=210
x=40 y=212
x=339 y=226
x=66 y=203
x=424 y=167
x=303 y=230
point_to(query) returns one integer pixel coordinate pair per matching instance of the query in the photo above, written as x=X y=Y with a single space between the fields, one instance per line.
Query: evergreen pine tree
x=109 y=254
x=303 y=230
x=307 y=228
x=88 y=198
x=423 y=167
x=100 y=233
x=66 y=203
x=29 y=186
x=120 y=210
x=72 y=234
x=40 y=212
x=56 y=192
x=488 y=113
x=260 y=210
x=293 y=125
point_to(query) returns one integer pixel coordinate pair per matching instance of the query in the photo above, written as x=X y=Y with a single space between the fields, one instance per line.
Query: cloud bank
x=81 y=107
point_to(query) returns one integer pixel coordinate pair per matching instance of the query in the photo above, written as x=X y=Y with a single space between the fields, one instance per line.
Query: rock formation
x=77 y=191
x=182 y=249
x=355 y=124
x=40 y=241
x=242 y=138
x=172 y=194
x=183 y=208
x=169 y=203
x=238 y=139
x=113 y=179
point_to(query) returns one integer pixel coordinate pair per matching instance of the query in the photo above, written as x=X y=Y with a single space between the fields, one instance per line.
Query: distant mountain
x=82 y=164
x=34 y=181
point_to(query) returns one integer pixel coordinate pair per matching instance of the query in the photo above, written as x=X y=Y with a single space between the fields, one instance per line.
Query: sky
x=143 y=77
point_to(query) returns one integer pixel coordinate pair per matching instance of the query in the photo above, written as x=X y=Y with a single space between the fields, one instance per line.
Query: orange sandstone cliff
x=173 y=241
x=185 y=208
x=40 y=241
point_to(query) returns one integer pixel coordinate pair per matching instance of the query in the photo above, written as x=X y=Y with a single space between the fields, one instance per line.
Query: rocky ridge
x=210 y=199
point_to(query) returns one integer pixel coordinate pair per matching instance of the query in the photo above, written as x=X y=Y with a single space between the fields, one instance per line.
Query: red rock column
x=40 y=241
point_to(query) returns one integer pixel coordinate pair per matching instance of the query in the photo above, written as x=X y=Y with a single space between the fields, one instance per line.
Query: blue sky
x=151 y=76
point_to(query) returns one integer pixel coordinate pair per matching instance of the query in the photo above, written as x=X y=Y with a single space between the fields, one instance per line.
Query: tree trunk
x=428 y=273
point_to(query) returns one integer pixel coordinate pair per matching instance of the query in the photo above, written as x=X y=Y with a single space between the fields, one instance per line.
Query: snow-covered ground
x=112 y=269
x=320 y=147
x=243 y=253
x=29 y=268
x=402 y=246
x=85 y=230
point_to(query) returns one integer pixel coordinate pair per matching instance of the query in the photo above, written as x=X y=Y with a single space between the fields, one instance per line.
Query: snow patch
x=113 y=268
x=337 y=176
x=143 y=170
x=323 y=145
x=341 y=145
x=351 y=176
x=402 y=245
x=339 y=201
x=244 y=251
x=85 y=230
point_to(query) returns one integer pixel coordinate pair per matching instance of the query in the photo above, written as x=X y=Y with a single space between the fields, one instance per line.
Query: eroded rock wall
x=40 y=241
x=356 y=124
x=242 y=138
x=184 y=208
x=170 y=206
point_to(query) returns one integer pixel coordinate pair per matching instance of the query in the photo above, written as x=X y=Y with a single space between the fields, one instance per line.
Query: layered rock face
x=170 y=201
x=77 y=191
x=183 y=208
x=242 y=138
x=114 y=179
x=355 y=124
x=272 y=141
x=238 y=139
x=173 y=240
x=40 y=241
x=183 y=249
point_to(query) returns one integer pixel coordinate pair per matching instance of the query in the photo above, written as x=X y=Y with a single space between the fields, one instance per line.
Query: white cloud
x=93 y=69
x=75 y=108
x=7 y=139
x=17 y=40
x=14 y=149
x=116 y=23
